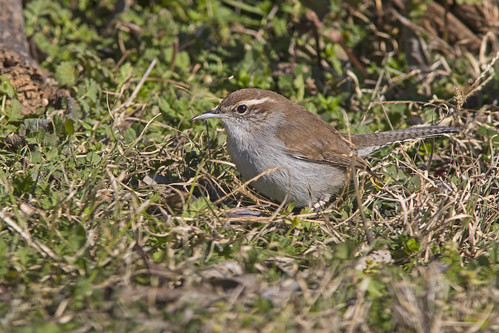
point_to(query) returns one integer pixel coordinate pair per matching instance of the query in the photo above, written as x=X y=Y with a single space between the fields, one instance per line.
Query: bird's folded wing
x=320 y=143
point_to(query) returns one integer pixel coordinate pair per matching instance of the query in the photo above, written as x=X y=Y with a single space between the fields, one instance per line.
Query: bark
x=33 y=90
x=12 y=28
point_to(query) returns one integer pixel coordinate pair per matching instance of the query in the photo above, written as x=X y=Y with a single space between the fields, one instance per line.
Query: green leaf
x=243 y=78
x=68 y=126
x=280 y=26
x=13 y=111
x=93 y=158
x=4 y=258
x=44 y=44
x=65 y=73
x=130 y=135
x=246 y=7
x=125 y=73
x=92 y=90
x=412 y=245
x=182 y=60
x=299 y=84
x=488 y=132
x=23 y=183
x=6 y=87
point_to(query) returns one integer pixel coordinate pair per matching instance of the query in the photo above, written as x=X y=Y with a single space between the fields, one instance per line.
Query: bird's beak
x=215 y=113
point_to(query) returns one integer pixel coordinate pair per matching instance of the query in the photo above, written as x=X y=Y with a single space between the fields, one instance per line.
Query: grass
x=125 y=216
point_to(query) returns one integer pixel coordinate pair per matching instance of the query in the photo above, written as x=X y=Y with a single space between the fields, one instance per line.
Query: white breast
x=305 y=182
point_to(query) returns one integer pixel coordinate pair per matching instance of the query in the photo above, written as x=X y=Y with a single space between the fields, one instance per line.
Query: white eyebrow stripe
x=256 y=101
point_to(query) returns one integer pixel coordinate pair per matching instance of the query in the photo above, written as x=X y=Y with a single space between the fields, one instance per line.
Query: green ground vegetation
x=122 y=215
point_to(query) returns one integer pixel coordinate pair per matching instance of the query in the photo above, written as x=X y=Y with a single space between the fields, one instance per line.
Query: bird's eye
x=242 y=108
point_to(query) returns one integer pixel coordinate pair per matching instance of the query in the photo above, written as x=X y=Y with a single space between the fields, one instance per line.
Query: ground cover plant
x=119 y=214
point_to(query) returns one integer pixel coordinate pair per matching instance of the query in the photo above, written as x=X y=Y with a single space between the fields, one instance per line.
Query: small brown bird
x=267 y=131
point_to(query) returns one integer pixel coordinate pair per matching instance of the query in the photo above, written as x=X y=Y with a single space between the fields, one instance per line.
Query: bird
x=293 y=153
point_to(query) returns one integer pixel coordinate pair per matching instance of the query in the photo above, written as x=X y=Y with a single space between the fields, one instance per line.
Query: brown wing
x=312 y=139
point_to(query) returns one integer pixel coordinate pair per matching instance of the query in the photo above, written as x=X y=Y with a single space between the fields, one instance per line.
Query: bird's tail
x=368 y=143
